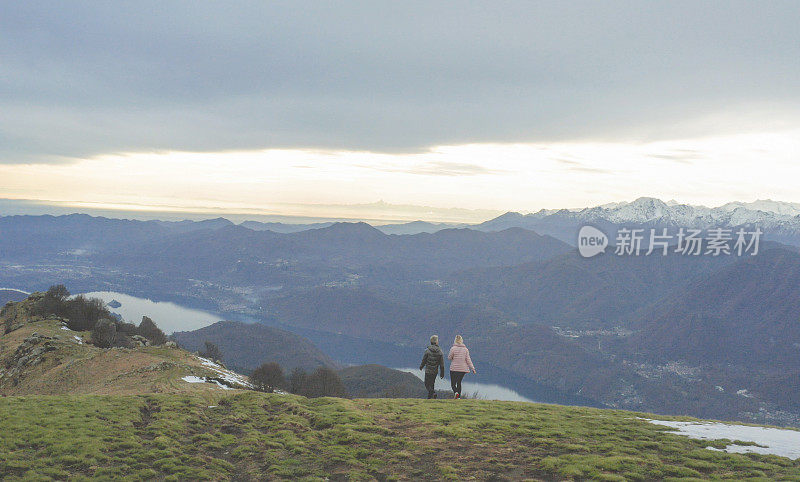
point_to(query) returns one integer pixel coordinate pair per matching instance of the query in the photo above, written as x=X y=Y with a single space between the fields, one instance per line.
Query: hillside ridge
x=40 y=355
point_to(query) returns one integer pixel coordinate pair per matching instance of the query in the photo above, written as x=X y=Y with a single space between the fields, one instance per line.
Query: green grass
x=248 y=435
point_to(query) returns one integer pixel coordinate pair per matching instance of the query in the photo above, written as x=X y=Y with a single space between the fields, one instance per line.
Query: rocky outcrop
x=139 y=340
x=16 y=314
x=43 y=355
x=28 y=354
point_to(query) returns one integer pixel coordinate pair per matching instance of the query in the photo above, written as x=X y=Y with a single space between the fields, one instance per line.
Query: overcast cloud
x=88 y=78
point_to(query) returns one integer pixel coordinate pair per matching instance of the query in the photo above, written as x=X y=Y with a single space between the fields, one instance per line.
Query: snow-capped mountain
x=766 y=205
x=646 y=210
x=780 y=220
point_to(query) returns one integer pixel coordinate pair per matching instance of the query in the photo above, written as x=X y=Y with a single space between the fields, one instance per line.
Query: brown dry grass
x=85 y=369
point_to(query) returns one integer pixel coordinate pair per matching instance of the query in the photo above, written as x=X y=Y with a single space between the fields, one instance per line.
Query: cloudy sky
x=492 y=105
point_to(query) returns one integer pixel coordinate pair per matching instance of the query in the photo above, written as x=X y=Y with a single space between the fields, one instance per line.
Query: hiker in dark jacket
x=432 y=361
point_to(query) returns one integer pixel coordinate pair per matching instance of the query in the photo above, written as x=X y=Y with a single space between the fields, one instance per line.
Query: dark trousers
x=455 y=381
x=430 y=380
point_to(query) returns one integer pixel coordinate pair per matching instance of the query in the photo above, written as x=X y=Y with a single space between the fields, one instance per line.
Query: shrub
x=104 y=333
x=323 y=382
x=149 y=330
x=268 y=377
x=58 y=292
x=83 y=313
x=328 y=383
x=211 y=351
x=128 y=328
x=297 y=380
x=54 y=302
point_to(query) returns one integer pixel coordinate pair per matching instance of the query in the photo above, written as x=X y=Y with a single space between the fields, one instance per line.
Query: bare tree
x=330 y=385
x=323 y=382
x=53 y=302
x=212 y=352
x=268 y=377
x=58 y=292
x=297 y=380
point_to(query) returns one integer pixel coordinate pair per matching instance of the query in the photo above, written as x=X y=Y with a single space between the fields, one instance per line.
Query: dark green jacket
x=432 y=360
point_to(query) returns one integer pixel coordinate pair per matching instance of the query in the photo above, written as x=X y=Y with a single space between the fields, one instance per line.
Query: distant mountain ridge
x=412 y=227
x=333 y=254
x=779 y=220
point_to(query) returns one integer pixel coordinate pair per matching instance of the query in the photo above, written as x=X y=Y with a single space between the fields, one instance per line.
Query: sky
x=294 y=107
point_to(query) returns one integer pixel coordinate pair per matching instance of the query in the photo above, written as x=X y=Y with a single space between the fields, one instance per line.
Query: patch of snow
x=78 y=339
x=64 y=327
x=744 y=393
x=223 y=386
x=194 y=379
x=775 y=441
x=220 y=385
x=227 y=375
x=208 y=363
x=719 y=388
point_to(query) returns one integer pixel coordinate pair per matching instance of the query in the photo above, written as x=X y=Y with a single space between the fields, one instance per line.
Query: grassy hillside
x=40 y=356
x=70 y=410
x=249 y=435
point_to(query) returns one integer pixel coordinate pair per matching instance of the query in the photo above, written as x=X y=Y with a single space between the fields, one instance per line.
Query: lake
x=14 y=289
x=170 y=317
x=485 y=391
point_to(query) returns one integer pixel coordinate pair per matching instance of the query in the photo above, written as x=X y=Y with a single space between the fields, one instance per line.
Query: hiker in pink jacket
x=460 y=364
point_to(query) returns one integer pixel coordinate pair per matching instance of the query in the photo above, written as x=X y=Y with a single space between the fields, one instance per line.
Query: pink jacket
x=459 y=358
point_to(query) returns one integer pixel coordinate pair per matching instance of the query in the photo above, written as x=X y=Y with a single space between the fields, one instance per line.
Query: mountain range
x=699 y=335
x=779 y=220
